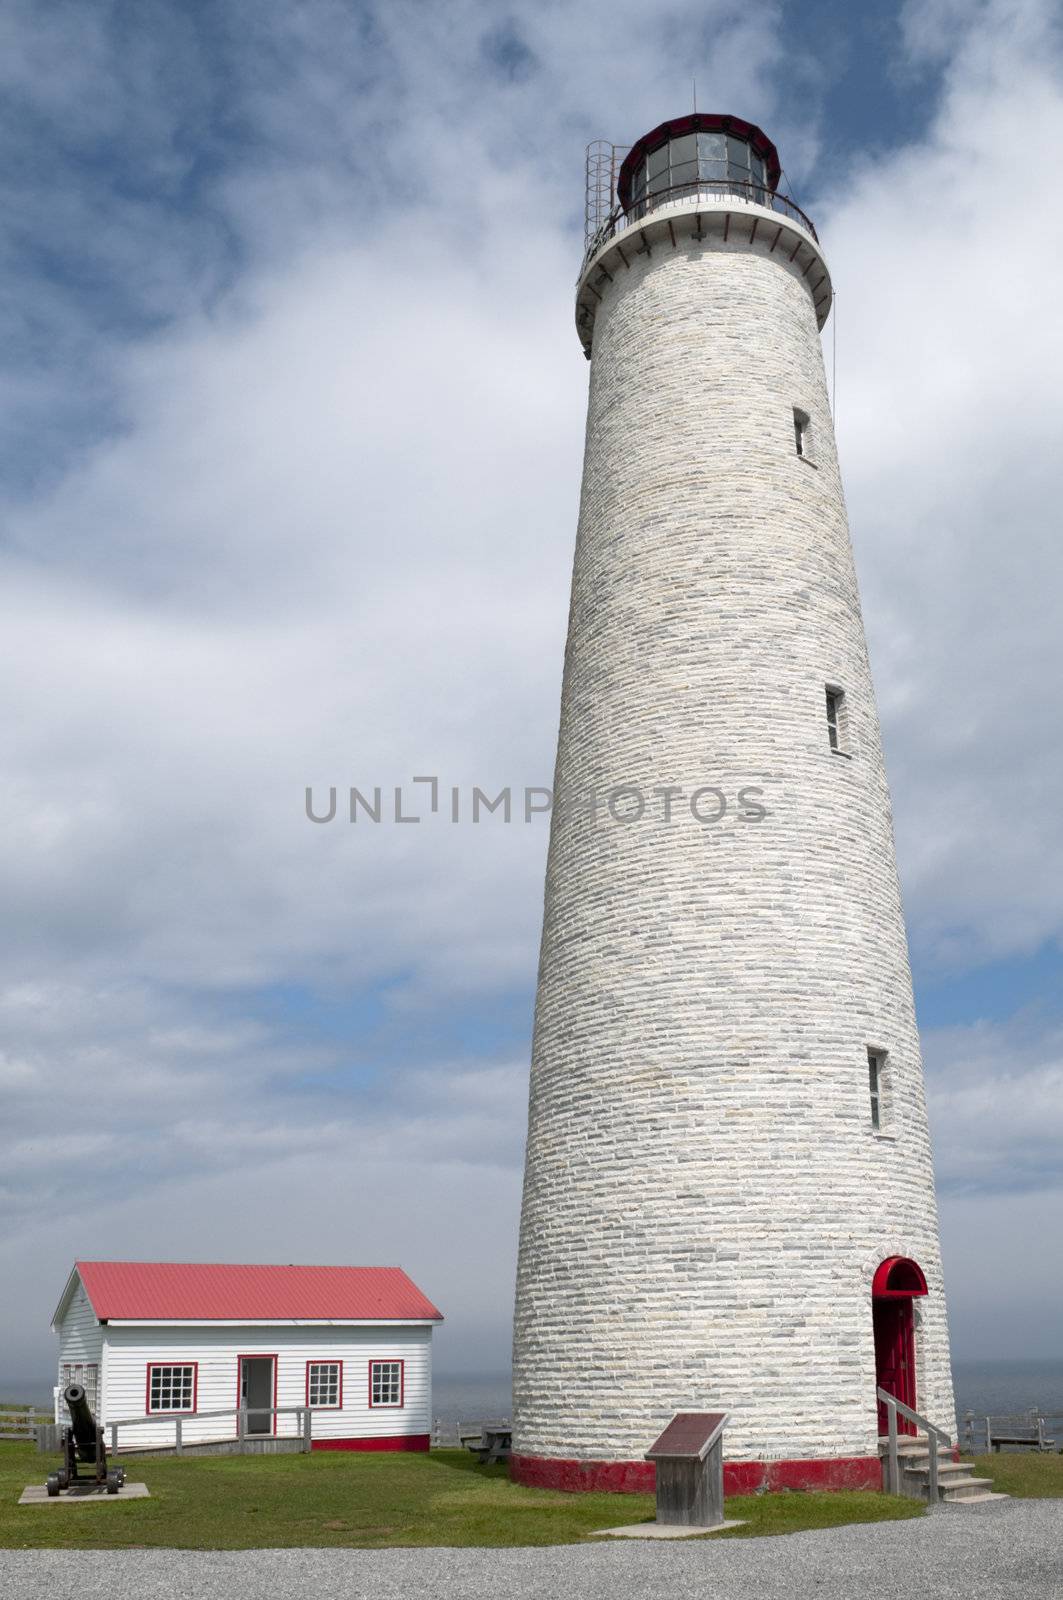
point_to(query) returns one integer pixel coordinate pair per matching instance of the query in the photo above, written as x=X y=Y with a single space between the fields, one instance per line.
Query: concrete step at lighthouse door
x=957 y=1484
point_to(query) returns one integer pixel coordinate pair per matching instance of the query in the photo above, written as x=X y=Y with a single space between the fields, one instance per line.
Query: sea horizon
x=992 y=1387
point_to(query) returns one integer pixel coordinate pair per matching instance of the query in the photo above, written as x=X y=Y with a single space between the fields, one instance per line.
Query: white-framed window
x=324 y=1384
x=172 y=1387
x=386 y=1383
x=87 y=1373
x=837 y=720
x=876 y=1077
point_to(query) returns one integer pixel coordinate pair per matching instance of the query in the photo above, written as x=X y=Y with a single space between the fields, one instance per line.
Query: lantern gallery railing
x=686 y=194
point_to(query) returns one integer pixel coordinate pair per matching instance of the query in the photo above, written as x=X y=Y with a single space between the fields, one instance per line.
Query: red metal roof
x=193 y=1291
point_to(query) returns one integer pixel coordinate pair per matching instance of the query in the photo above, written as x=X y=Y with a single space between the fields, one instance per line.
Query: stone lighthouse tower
x=728 y=1195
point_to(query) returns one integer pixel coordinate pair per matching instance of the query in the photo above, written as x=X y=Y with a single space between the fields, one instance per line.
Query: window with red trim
x=324 y=1385
x=85 y=1373
x=386 y=1383
x=172 y=1387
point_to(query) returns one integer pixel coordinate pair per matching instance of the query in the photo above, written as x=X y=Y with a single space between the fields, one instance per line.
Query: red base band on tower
x=739 y=1477
x=393 y=1441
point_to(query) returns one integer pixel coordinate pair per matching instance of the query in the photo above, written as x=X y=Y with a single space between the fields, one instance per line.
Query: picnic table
x=1028 y=1430
x=1030 y=1433
x=493 y=1441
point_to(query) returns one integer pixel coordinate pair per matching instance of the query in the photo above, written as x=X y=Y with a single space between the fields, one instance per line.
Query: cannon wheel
x=114 y=1480
x=52 y=1484
x=62 y=1478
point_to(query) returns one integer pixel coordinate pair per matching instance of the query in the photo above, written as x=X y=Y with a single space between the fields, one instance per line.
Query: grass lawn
x=339 y=1498
x=1027 y=1474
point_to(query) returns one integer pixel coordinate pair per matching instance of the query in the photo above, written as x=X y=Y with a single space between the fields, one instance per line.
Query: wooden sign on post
x=689 y=1461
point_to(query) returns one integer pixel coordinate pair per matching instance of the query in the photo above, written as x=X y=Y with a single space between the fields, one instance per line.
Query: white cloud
x=449 y=1224
x=1003 y=1297
x=949 y=416
x=996 y=1102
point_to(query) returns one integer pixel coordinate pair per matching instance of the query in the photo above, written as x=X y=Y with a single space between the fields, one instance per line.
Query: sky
x=291 y=415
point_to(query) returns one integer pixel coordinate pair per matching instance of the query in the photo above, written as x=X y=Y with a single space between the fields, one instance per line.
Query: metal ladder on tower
x=923 y=1466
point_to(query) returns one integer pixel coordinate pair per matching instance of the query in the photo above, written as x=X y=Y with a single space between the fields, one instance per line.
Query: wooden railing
x=19 y=1422
x=1024 y=1430
x=934 y=1437
x=241 y=1435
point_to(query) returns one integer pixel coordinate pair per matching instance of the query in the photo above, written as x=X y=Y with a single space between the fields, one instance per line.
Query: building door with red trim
x=256 y=1391
x=895 y=1357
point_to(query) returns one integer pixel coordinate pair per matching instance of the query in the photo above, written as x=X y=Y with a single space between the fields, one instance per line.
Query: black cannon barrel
x=82 y=1421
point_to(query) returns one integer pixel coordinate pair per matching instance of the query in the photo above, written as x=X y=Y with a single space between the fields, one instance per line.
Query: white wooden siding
x=216 y=1350
x=80 y=1342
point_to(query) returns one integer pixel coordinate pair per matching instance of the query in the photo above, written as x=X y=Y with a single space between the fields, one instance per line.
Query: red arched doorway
x=896 y=1284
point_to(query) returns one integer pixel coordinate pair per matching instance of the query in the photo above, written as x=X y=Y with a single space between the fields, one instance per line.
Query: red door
x=895 y=1357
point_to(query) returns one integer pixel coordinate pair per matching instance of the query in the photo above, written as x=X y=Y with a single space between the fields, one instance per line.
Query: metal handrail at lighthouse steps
x=935 y=1436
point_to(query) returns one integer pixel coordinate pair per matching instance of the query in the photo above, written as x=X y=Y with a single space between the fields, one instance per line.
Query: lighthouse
x=728 y=1196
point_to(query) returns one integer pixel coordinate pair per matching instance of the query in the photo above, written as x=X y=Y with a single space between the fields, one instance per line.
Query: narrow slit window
x=801 y=435
x=837 y=721
x=876 y=1069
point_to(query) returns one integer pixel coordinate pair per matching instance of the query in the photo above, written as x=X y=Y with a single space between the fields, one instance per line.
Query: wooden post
x=932 y=1491
x=894 y=1458
x=988 y=1436
x=114 y=1437
x=178 y=1442
x=241 y=1428
x=308 y=1437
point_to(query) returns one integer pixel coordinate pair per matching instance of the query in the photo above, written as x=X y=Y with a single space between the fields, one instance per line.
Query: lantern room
x=702 y=151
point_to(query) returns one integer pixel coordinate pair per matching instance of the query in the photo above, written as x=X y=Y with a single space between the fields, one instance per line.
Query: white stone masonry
x=706 y=1199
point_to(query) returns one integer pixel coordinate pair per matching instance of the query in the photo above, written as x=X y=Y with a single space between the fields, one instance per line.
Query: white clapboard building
x=157 y=1341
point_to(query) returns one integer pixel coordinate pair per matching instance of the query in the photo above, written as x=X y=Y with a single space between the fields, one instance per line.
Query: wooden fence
x=19 y=1422
x=1025 y=1430
x=241 y=1440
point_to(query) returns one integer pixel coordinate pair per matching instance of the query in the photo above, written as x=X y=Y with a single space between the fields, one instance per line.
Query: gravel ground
x=1007 y=1550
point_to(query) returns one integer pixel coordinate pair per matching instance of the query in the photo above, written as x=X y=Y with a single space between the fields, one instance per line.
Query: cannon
x=83 y=1442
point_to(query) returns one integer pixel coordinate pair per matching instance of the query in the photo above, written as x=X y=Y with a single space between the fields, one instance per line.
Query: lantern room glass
x=682 y=166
